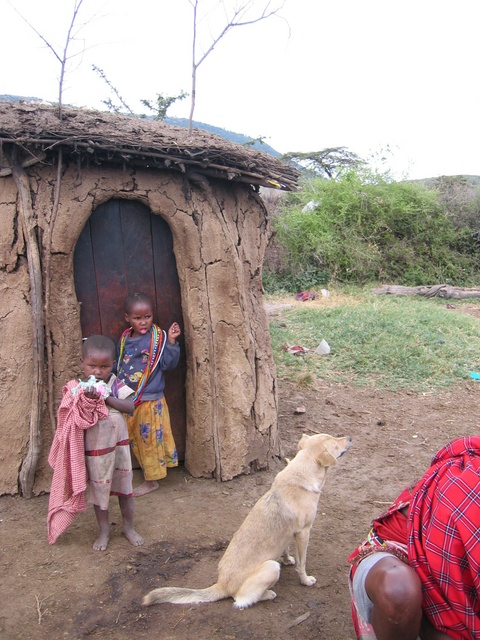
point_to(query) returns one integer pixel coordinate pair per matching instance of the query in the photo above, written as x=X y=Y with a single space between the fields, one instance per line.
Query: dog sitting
x=250 y=565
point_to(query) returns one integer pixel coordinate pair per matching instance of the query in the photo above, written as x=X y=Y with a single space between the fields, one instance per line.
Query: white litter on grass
x=323 y=348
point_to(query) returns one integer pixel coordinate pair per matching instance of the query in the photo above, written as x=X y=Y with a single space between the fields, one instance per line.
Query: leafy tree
x=328 y=162
x=162 y=104
x=461 y=198
x=254 y=141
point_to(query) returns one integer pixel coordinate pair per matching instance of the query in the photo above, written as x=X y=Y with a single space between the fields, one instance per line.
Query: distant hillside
x=432 y=183
x=239 y=138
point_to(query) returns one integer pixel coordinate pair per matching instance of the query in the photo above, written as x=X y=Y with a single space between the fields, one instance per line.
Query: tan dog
x=249 y=566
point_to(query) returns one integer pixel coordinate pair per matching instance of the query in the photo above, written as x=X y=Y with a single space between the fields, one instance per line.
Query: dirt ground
x=70 y=591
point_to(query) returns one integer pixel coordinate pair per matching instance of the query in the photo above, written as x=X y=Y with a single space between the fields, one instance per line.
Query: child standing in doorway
x=90 y=452
x=145 y=352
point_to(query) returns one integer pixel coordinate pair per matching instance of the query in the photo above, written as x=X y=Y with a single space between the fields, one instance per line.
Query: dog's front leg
x=301 y=539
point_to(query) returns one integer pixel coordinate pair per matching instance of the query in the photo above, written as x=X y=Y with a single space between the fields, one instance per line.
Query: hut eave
x=103 y=138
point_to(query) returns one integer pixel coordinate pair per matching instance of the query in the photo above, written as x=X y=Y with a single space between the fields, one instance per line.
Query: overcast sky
x=364 y=74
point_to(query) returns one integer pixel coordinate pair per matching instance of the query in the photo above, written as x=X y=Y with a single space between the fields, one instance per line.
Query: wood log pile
x=428 y=291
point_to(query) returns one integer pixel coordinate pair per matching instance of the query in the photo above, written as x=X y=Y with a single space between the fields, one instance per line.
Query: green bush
x=305 y=278
x=363 y=228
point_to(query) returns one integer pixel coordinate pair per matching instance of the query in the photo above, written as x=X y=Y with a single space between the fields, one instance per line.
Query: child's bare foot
x=101 y=543
x=133 y=537
x=146 y=487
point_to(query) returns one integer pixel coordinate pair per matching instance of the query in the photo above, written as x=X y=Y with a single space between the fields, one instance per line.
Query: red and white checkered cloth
x=444 y=539
x=67 y=458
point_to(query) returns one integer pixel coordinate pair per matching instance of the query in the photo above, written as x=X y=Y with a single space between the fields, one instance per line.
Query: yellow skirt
x=151 y=438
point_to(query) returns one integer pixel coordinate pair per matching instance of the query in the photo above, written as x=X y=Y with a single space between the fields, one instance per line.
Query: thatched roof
x=104 y=138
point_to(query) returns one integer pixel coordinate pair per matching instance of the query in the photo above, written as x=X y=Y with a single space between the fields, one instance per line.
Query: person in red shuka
x=418 y=573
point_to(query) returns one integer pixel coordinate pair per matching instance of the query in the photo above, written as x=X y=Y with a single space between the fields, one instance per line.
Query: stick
x=27 y=219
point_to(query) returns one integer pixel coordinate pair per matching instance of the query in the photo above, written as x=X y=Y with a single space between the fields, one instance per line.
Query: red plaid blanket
x=67 y=458
x=444 y=538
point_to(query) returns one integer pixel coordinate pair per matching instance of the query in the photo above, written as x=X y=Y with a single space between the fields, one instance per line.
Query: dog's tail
x=180 y=595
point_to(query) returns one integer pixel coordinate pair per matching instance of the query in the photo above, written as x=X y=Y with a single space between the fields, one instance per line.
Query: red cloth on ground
x=305 y=295
x=67 y=458
x=444 y=538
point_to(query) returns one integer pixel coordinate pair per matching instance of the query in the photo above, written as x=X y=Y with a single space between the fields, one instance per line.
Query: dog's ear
x=303 y=441
x=326 y=459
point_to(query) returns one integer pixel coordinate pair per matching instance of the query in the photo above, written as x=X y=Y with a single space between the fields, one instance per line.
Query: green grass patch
x=394 y=342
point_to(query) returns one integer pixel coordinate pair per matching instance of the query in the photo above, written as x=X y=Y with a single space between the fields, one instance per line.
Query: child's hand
x=173 y=333
x=91 y=394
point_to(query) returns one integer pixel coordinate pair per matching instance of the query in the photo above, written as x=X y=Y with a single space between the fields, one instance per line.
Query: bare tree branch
x=237 y=19
x=63 y=57
x=110 y=104
x=40 y=307
x=37 y=32
x=28 y=228
x=63 y=62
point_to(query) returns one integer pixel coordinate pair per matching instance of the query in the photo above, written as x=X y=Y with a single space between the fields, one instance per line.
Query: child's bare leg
x=127 y=508
x=101 y=543
x=146 y=487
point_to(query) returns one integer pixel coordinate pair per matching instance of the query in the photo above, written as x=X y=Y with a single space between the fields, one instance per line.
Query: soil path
x=70 y=591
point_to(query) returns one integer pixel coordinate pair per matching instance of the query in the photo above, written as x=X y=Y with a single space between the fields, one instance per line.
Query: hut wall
x=220 y=234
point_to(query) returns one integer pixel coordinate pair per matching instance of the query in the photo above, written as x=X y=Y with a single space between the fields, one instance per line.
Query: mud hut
x=94 y=206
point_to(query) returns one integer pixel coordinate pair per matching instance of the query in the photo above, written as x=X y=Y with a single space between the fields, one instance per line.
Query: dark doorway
x=123 y=249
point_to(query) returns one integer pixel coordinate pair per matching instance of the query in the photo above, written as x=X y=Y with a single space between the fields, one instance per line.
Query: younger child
x=145 y=352
x=97 y=465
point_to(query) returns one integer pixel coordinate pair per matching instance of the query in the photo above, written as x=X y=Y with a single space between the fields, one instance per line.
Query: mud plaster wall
x=220 y=236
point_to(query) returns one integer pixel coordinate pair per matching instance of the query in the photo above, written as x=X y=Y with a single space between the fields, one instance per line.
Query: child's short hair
x=99 y=343
x=135 y=298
